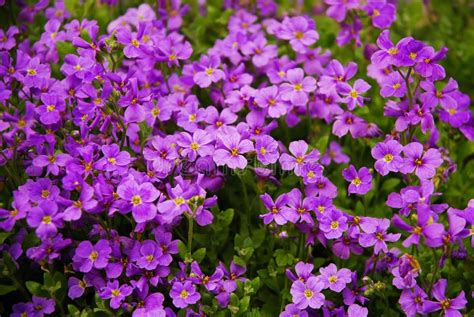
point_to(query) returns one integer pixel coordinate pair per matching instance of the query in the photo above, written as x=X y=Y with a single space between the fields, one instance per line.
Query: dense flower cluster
x=114 y=141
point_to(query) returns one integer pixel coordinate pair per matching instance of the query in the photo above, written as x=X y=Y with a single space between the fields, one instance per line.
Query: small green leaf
x=33 y=287
x=182 y=250
x=199 y=255
x=5 y=289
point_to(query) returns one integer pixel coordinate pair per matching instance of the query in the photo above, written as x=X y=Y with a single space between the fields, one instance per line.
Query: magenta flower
x=412 y=301
x=276 y=212
x=393 y=86
x=334 y=153
x=269 y=98
x=422 y=163
x=45 y=218
x=333 y=223
x=383 y=14
x=260 y=52
x=360 y=181
x=299 y=31
x=334 y=279
x=43 y=306
x=338 y=8
x=50 y=110
x=450 y=307
x=148 y=255
x=184 y=294
x=297 y=208
x=139 y=198
x=308 y=294
x=113 y=159
x=199 y=144
x=115 y=293
x=377 y=236
x=352 y=95
x=207 y=71
x=348 y=122
x=267 y=149
x=232 y=148
x=388 y=157
x=300 y=157
x=88 y=256
x=298 y=87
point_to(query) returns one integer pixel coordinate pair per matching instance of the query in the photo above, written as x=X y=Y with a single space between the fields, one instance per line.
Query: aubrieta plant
x=230 y=158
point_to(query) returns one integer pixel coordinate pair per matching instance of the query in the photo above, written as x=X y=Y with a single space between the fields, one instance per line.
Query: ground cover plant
x=236 y=158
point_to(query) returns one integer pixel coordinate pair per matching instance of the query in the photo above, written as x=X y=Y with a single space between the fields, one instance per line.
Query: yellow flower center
x=310 y=174
x=31 y=72
x=418 y=162
x=445 y=304
x=46 y=220
x=353 y=93
x=396 y=86
x=274 y=210
x=393 y=51
x=155 y=111
x=308 y=293
x=332 y=279
x=412 y=55
x=263 y=151
x=149 y=258
x=94 y=255
x=136 y=200
x=209 y=71
x=184 y=294
x=194 y=146
x=375 y=13
x=50 y=108
x=192 y=117
x=356 y=181
x=417 y=230
x=452 y=111
x=112 y=160
x=178 y=200
x=234 y=152
x=115 y=292
x=77 y=67
x=135 y=43
x=299 y=35
x=298 y=87
x=334 y=225
x=45 y=193
x=388 y=158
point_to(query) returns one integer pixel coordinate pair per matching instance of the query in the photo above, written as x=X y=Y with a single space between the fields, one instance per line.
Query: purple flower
x=113 y=158
x=197 y=144
x=184 y=294
x=85 y=202
x=352 y=95
x=261 y=53
x=382 y=13
x=276 y=212
x=388 y=157
x=207 y=71
x=450 y=307
x=423 y=164
x=23 y=310
x=267 y=149
x=50 y=111
x=308 y=293
x=333 y=223
x=393 y=86
x=388 y=53
x=299 y=31
x=269 y=98
x=338 y=8
x=231 y=150
x=45 y=218
x=299 y=158
x=291 y=310
x=139 y=198
x=424 y=227
x=377 y=236
x=88 y=256
x=311 y=173
x=348 y=122
x=297 y=208
x=355 y=310
x=412 y=301
x=43 y=306
x=115 y=293
x=361 y=181
x=333 y=279
x=298 y=88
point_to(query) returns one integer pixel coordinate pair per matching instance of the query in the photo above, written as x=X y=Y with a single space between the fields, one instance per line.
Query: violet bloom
x=267 y=149
x=151 y=305
x=52 y=162
x=139 y=198
x=276 y=212
x=297 y=208
x=433 y=97
x=199 y=144
x=450 y=307
x=45 y=218
x=355 y=310
x=393 y=86
x=423 y=164
x=115 y=293
x=299 y=31
x=377 y=236
x=412 y=301
x=348 y=122
x=85 y=202
x=334 y=153
x=333 y=223
x=269 y=98
x=299 y=158
x=298 y=88
x=423 y=227
x=429 y=67
x=113 y=158
x=207 y=71
x=311 y=173
x=162 y=154
x=291 y=310
x=148 y=255
x=383 y=14
x=88 y=256
x=388 y=157
x=43 y=306
x=334 y=279
x=50 y=111
x=261 y=53
x=388 y=53
x=232 y=149
x=184 y=294
x=338 y=8
x=308 y=293
x=352 y=95
x=361 y=181
x=23 y=310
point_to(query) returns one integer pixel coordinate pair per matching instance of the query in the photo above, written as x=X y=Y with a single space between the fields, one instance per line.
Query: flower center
x=234 y=151
x=418 y=162
x=375 y=13
x=417 y=299
x=353 y=93
x=452 y=111
x=298 y=87
x=321 y=208
x=396 y=86
x=184 y=294
x=393 y=51
x=417 y=230
x=115 y=292
x=301 y=210
x=274 y=210
x=300 y=159
x=308 y=293
x=388 y=158
x=192 y=117
x=445 y=304
x=94 y=255
x=149 y=258
x=155 y=111
x=299 y=35
x=194 y=146
x=112 y=160
x=379 y=236
x=178 y=201
x=356 y=181
x=332 y=279
x=334 y=225
x=209 y=71
x=412 y=55
x=77 y=67
x=219 y=124
x=135 y=43
x=172 y=57
x=46 y=220
x=136 y=200
x=31 y=72
x=45 y=193
x=50 y=108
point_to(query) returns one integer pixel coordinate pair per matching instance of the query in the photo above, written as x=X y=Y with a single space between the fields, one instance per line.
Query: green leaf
x=4 y=235
x=9 y=263
x=199 y=255
x=5 y=289
x=33 y=287
x=182 y=250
